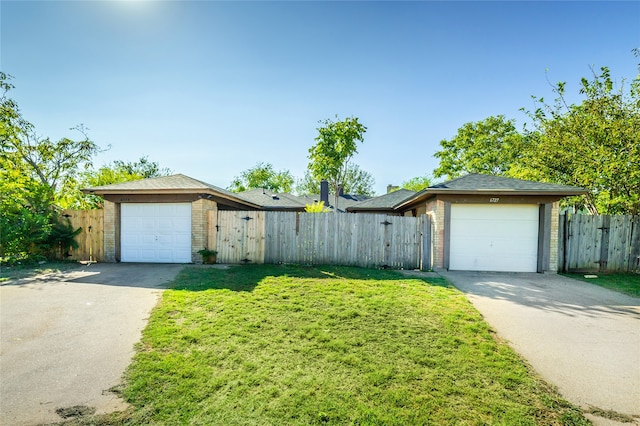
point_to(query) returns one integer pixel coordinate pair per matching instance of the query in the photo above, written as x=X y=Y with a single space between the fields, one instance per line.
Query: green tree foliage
x=33 y=172
x=26 y=216
x=263 y=175
x=489 y=146
x=52 y=163
x=115 y=172
x=335 y=146
x=417 y=183
x=356 y=181
x=595 y=144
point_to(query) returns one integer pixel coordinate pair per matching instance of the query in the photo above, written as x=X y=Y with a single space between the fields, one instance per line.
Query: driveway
x=582 y=338
x=66 y=339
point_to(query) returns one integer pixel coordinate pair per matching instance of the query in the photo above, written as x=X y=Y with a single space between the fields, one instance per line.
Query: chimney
x=324 y=192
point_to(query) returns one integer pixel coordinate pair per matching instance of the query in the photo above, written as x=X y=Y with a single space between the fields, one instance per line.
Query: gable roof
x=173 y=184
x=384 y=202
x=476 y=183
x=270 y=200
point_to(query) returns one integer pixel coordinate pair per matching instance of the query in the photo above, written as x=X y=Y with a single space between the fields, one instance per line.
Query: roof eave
x=363 y=209
x=432 y=192
x=170 y=191
x=564 y=193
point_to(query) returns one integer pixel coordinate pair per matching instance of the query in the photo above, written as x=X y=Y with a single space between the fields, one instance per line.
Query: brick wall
x=435 y=210
x=109 y=231
x=199 y=227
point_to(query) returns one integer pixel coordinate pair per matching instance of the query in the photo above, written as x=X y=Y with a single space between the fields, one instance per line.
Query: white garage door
x=155 y=232
x=485 y=237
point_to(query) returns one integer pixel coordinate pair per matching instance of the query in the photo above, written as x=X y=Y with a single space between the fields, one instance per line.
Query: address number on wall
x=494 y=200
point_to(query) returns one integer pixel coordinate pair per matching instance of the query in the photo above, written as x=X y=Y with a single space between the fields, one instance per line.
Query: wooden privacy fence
x=599 y=243
x=369 y=240
x=91 y=238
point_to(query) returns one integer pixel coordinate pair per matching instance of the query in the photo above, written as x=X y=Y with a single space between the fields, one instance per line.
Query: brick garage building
x=163 y=219
x=492 y=223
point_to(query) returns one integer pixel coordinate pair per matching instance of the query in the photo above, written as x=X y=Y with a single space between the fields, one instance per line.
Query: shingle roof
x=163 y=183
x=178 y=183
x=384 y=202
x=271 y=200
x=344 y=201
x=476 y=183
x=479 y=182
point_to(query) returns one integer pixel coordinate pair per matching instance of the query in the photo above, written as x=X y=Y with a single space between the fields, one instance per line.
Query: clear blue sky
x=209 y=88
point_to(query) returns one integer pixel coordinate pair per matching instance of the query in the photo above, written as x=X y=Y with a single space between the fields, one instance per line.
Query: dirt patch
x=75 y=411
x=611 y=415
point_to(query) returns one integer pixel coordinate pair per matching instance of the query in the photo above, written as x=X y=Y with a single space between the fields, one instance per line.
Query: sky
x=211 y=88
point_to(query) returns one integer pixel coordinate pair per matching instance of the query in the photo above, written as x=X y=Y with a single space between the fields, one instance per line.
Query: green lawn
x=623 y=283
x=279 y=345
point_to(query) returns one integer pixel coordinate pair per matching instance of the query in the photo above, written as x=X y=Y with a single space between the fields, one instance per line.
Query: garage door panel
x=493 y=238
x=156 y=232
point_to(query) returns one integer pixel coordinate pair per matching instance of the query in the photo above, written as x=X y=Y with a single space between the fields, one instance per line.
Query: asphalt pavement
x=66 y=338
x=580 y=337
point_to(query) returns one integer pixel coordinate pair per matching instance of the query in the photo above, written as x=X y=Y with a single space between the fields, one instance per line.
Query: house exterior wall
x=435 y=210
x=109 y=231
x=199 y=226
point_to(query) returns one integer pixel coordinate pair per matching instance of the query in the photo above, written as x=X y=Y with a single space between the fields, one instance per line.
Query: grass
x=31 y=269
x=280 y=345
x=622 y=283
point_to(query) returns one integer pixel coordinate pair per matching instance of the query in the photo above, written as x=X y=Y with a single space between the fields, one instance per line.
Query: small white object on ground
x=591 y=276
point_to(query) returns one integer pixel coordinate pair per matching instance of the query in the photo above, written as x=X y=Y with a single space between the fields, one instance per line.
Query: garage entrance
x=156 y=232
x=486 y=237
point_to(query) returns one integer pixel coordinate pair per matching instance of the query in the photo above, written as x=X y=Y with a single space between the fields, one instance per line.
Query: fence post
x=566 y=234
x=604 y=243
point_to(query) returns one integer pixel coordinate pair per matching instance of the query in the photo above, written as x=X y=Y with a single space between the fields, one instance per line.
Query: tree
x=117 y=171
x=595 y=144
x=141 y=169
x=336 y=144
x=356 y=181
x=26 y=217
x=417 y=183
x=33 y=170
x=489 y=146
x=263 y=175
x=53 y=163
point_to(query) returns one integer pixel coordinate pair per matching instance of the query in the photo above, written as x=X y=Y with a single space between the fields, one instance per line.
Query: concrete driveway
x=582 y=338
x=66 y=339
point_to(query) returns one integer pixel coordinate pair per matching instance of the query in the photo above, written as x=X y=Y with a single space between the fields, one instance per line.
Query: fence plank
x=634 y=246
x=314 y=239
x=590 y=243
x=91 y=238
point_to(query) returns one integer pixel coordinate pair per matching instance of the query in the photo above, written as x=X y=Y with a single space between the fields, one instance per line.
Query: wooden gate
x=91 y=238
x=240 y=236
